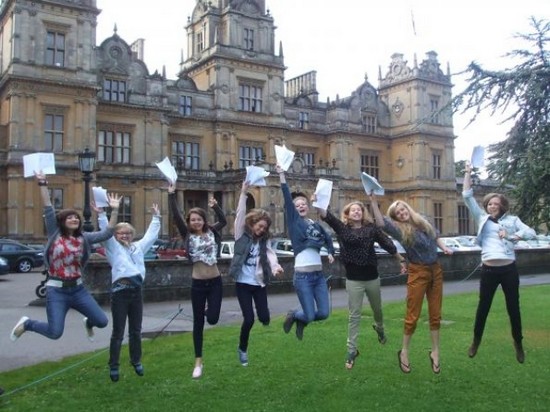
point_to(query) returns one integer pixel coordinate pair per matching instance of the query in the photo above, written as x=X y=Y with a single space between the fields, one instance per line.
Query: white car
x=461 y=243
x=228 y=249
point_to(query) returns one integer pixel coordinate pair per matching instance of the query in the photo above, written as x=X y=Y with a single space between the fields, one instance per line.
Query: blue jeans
x=126 y=303
x=58 y=303
x=312 y=290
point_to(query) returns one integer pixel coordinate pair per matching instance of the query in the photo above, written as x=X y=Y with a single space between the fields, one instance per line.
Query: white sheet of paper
x=38 y=162
x=168 y=170
x=255 y=176
x=100 y=197
x=284 y=156
x=371 y=184
x=478 y=157
x=323 y=192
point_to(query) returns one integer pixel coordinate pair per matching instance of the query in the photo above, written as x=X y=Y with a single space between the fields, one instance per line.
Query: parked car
x=379 y=251
x=227 y=249
x=459 y=243
x=20 y=257
x=172 y=250
x=283 y=247
x=4 y=266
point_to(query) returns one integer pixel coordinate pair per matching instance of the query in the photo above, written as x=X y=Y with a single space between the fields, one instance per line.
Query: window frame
x=367 y=165
x=250 y=97
x=189 y=155
x=114 y=94
x=54 y=134
x=185 y=105
x=55 y=52
x=113 y=151
x=436 y=165
x=254 y=153
x=438 y=216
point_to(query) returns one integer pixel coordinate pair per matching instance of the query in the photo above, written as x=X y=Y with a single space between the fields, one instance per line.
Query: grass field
x=285 y=374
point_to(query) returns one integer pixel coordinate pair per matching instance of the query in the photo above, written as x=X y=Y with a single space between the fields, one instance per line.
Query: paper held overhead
x=371 y=185
x=323 y=192
x=284 y=156
x=38 y=162
x=478 y=157
x=168 y=170
x=255 y=175
x=100 y=196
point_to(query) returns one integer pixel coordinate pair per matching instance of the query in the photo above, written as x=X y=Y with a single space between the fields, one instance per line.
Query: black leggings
x=246 y=294
x=205 y=292
x=492 y=276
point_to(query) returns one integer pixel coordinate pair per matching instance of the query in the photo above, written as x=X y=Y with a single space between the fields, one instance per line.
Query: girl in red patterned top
x=66 y=254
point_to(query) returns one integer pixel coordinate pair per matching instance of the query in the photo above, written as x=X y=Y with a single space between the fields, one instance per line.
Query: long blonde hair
x=366 y=219
x=415 y=222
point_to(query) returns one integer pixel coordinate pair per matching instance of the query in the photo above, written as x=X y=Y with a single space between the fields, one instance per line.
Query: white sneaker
x=197 y=372
x=89 y=331
x=18 y=329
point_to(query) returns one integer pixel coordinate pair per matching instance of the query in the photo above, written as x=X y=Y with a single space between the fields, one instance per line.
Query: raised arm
x=174 y=209
x=378 y=218
x=467 y=183
x=114 y=203
x=221 y=221
x=241 y=211
x=281 y=173
x=44 y=192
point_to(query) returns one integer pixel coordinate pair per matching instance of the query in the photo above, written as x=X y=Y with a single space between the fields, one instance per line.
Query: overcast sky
x=348 y=39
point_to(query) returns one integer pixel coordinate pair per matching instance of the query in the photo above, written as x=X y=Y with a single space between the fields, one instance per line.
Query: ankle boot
x=472 y=350
x=520 y=354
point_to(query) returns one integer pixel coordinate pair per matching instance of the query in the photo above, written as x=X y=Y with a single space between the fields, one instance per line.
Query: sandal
x=405 y=367
x=435 y=366
x=350 y=359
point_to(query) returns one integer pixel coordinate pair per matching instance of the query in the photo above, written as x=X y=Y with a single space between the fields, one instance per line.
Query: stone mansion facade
x=228 y=107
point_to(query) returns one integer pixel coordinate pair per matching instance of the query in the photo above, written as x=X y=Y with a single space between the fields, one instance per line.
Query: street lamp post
x=86 y=162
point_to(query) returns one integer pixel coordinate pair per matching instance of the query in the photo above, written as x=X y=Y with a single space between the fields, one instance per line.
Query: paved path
x=17 y=291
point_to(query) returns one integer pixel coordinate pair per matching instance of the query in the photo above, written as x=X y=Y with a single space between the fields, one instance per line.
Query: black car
x=20 y=257
x=4 y=267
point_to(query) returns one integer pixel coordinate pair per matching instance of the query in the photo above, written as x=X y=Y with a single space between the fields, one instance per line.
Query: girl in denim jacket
x=496 y=234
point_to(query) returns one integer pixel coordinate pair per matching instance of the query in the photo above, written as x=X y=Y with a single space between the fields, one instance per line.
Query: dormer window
x=114 y=90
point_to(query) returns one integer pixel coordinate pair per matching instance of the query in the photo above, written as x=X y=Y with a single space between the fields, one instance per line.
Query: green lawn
x=285 y=374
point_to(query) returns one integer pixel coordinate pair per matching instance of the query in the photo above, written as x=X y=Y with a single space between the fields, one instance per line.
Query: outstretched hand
x=155 y=209
x=114 y=200
x=212 y=202
x=245 y=186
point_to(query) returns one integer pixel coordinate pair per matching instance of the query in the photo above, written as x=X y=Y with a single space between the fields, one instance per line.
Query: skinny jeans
x=205 y=292
x=248 y=295
x=126 y=304
x=508 y=278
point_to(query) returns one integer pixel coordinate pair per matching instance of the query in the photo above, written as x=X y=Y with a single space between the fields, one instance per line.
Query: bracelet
x=403 y=261
x=42 y=183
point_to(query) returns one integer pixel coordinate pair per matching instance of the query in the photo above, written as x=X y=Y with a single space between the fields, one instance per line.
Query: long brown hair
x=202 y=213
x=416 y=221
x=254 y=216
x=62 y=216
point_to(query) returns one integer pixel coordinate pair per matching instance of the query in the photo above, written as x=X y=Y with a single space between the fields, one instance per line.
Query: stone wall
x=171 y=279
